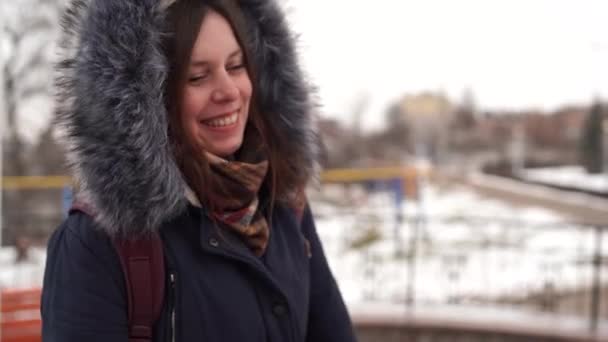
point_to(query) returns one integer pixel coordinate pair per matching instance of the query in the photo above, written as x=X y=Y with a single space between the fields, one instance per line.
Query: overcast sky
x=512 y=54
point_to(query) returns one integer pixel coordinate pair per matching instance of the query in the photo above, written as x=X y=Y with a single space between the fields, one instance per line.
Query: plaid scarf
x=240 y=181
x=238 y=207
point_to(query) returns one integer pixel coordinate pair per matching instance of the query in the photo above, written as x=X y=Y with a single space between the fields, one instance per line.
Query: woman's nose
x=226 y=89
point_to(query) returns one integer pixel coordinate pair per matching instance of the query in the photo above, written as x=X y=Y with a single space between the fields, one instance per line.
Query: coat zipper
x=172 y=305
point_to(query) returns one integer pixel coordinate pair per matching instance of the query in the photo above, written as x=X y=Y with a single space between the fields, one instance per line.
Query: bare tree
x=28 y=31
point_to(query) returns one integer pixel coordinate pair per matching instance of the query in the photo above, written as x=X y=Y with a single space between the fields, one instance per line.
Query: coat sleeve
x=328 y=319
x=83 y=296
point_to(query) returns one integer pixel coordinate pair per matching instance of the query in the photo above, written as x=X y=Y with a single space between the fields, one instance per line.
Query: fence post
x=411 y=277
x=418 y=221
x=596 y=290
x=397 y=188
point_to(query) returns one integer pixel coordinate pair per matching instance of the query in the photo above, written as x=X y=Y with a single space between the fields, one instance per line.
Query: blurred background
x=464 y=195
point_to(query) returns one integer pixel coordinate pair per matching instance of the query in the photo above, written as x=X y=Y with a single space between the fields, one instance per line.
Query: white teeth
x=225 y=121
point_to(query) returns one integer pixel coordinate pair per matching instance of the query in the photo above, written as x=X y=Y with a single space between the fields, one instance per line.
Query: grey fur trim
x=110 y=107
x=164 y=4
x=284 y=89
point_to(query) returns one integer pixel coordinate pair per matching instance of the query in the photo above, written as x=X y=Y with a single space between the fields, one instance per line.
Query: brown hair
x=184 y=19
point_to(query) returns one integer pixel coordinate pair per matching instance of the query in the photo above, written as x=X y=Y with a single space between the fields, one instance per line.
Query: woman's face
x=215 y=102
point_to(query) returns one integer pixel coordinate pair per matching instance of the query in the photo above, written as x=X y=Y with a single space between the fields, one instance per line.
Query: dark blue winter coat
x=220 y=291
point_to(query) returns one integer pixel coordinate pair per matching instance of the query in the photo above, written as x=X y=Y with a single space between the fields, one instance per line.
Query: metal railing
x=568 y=288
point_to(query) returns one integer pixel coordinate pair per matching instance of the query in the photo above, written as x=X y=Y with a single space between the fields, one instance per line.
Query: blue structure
x=67 y=198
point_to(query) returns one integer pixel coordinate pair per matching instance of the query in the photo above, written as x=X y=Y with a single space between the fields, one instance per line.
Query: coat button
x=213 y=242
x=279 y=309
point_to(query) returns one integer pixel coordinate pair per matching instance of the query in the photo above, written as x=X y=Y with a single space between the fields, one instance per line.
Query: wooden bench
x=20 y=320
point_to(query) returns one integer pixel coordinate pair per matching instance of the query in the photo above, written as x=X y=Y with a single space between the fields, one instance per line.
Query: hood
x=111 y=113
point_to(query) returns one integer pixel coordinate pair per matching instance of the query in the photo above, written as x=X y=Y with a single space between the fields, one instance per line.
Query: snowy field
x=25 y=274
x=469 y=249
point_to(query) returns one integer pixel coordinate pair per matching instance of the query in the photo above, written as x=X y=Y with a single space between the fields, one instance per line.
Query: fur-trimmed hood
x=110 y=105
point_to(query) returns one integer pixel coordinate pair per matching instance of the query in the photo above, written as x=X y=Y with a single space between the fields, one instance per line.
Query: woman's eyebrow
x=237 y=52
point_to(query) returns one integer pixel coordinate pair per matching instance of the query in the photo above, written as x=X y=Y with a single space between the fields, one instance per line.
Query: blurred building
x=428 y=115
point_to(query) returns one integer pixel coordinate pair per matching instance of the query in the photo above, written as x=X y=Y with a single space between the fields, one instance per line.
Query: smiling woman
x=218 y=89
x=188 y=121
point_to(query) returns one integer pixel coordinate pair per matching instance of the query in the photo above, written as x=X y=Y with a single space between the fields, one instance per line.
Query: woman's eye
x=197 y=78
x=236 y=67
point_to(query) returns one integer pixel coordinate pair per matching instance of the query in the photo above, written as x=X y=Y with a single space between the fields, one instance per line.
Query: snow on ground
x=470 y=249
x=25 y=274
x=568 y=176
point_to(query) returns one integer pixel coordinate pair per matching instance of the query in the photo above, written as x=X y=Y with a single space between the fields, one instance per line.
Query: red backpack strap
x=143 y=267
